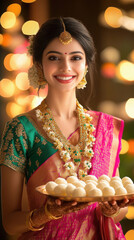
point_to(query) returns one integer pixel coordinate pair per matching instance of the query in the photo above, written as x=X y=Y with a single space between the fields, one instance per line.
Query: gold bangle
x=113 y=215
x=29 y=223
x=49 y=215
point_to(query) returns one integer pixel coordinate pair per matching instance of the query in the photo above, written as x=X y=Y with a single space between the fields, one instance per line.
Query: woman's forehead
x=57 y=46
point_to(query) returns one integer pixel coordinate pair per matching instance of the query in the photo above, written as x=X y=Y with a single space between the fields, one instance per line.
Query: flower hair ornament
x=83 y=82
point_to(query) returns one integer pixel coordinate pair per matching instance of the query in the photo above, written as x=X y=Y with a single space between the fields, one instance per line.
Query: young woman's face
x=64 y=65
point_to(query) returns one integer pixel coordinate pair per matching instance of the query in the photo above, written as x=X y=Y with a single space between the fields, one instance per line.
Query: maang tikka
x=65 y=37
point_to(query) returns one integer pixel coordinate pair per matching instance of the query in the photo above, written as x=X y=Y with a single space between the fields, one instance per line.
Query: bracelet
x=49 y=215
x=29 y=223
x=113 y=215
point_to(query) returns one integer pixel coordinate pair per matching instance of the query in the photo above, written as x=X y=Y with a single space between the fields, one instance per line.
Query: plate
x=42 y=190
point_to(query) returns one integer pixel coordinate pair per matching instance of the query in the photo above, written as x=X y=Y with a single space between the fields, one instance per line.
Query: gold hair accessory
x=65 y=37
x=49 y=215
x=29 y=223
x=83 y=82
x=36 y=77
x=30 y=47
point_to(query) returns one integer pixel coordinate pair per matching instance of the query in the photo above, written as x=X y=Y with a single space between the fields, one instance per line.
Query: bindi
x=65 y=53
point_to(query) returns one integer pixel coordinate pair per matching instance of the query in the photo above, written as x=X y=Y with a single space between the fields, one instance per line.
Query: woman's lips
x=65 y=79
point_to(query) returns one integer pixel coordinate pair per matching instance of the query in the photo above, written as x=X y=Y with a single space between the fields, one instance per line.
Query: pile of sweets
x=91 y=187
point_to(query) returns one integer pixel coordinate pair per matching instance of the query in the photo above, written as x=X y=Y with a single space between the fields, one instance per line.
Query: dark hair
x=52 y=29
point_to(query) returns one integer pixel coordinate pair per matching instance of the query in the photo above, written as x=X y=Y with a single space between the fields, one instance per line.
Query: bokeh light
x=7 y=88
x=15 y=8
x=8 y=20
x=131 y=56
x=6 y=40
x=110 y=54
x=28 y=1
x=129 y=235
x=20 y=61
x=7 y=61
x=130 y=213
x=1 y=39
x=13 y=109
x=129 y=107
x=112 y=16
x=126 y=70
x=108 y=70
x=22 y=81
x=131 y=146
x=30 y=27
x=125 y=146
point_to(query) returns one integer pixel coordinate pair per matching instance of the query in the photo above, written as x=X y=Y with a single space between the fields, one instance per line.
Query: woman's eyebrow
x=75 y=52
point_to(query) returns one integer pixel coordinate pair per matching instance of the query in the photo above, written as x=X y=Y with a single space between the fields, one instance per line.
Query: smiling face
x=63 y=65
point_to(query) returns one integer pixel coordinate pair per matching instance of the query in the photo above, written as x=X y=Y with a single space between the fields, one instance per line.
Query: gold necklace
x=73 y=156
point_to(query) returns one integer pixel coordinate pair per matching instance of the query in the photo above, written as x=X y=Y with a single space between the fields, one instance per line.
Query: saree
x=25 y=148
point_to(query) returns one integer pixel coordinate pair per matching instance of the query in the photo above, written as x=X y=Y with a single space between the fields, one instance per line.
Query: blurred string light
x=112 y=16
x=130 y=213
x=131 y=146
x=20 y=61
x=108 y=70
x=28 y=1
x=131 y=56
x=7 y=88
x=1 y=39
x=126 y=70
x=22 y=81
x=129 y=107
x=8 y=20
x=6 y=40
x=127 y=23
x=13 y=109
x=110 y=54
x=7 y=61
x=127 y=1
x=30 y=27
x=129 y=235
x=15 y=8
x=125 y=146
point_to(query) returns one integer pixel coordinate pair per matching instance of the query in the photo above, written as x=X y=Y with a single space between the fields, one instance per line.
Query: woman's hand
x=58 y=207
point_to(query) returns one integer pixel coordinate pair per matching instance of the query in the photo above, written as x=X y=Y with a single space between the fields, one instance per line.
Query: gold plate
x=42 y=190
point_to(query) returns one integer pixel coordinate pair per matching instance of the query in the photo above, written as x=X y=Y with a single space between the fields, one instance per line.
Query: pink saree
x=88 y=223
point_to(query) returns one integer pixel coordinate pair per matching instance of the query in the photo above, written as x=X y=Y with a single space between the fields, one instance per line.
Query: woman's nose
x=65 y=65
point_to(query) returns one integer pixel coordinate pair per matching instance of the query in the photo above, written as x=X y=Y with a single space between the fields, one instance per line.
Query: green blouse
x=23 y=147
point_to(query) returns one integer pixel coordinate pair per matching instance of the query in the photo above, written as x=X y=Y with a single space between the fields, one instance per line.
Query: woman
x=60 y=138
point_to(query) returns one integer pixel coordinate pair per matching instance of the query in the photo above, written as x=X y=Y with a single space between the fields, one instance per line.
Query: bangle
x=113 y=215
x=49 y=215
x=29 y=223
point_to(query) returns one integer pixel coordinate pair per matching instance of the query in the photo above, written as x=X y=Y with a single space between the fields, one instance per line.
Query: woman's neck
x=62 y=104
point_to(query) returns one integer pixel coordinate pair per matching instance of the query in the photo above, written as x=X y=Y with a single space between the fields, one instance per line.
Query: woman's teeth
x=64 y=78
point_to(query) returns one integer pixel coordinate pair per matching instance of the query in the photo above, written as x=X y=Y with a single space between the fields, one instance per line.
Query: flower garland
x=73 y=156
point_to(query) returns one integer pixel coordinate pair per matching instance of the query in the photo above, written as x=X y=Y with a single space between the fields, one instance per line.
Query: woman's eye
x=76 y=58
x=53 y=58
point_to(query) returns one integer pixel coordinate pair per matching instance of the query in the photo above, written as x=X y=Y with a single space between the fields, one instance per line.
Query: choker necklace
x=76 y=158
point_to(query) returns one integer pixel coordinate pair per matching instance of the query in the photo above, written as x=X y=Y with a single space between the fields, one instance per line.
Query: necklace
x=76 y=158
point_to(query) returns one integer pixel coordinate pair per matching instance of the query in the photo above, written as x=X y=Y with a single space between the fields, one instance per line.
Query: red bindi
x=65 y=53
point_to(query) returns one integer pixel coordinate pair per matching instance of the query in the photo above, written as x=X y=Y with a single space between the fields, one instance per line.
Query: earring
x=82 y=84
x=36 y=76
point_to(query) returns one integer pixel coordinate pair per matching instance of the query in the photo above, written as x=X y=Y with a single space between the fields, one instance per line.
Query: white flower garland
x=71 y=155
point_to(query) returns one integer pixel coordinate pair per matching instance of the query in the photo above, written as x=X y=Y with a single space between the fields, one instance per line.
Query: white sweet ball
x=60 y=190
x=81 y=181
x=116 y=178
x=120 y=191
x=102 y=184
x=69 y=189
x=96 y=192
x=72 y=179
x=108 y=191
x=126 y=179
x=60 y=180
x=89 y=186
x=50 y=187
x=116 y=183
x=104 y=177
x=90 y=177
x=79 y=192
x=130 y=188
x=79 y=184
x=91 y=181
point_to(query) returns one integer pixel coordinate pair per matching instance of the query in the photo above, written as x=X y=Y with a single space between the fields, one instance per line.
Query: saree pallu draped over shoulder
x=88 y=223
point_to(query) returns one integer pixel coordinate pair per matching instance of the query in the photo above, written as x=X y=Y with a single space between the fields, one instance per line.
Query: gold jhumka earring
x=65 y=37
x=82 y=84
